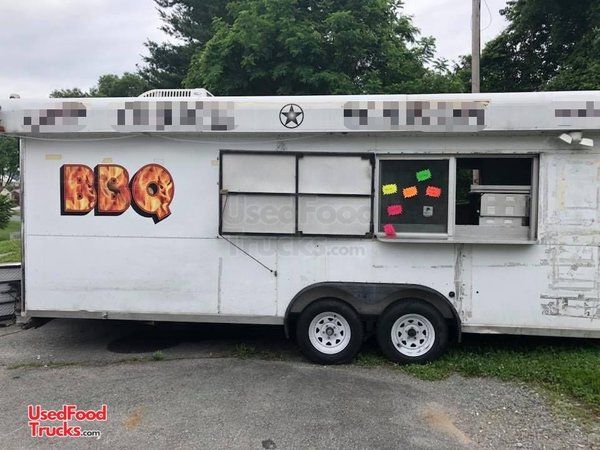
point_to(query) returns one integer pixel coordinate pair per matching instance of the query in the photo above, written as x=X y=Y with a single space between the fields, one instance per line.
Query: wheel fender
x=370 y=300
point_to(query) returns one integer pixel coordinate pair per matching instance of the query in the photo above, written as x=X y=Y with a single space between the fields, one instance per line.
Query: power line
x=489 y=14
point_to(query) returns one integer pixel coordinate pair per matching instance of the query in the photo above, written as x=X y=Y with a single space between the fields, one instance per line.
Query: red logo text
x=38 y=418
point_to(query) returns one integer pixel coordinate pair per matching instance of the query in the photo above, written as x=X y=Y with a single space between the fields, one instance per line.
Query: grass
x=12 y=227
x=10 y=250
x=245 y=351
x=158 y=356
x=564 y=368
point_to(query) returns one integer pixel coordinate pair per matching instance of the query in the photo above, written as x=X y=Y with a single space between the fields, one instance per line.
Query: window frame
x=296 y=194
x=450 y=236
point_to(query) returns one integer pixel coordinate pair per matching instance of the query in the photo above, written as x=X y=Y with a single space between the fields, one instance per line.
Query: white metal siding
x=130 y=264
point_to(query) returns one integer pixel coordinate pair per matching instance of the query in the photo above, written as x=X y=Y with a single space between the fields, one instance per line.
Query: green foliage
x=581 y=70
x=158 y=356
x=13 y=226
x=190 y=20
x=167 y=64
x=69 y=93
x=317 y=47
x=5 y=210
x=548 y=45
x=190 y=23
x=126 y=85
x=9 y=170
x=9 y=160
x=464 y=179
x=285 y=47
x=354 y=46
x=244 y=351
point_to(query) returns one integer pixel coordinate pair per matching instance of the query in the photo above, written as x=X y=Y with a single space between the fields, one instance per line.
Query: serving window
x=313 y=194
x=414 y=196
x=474 y=198
x=457 y=199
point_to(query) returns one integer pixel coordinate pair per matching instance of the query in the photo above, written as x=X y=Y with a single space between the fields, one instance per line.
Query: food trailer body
x=180 y=206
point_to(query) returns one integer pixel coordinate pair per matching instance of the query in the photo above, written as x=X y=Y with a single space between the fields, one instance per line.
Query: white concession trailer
x=416 y=217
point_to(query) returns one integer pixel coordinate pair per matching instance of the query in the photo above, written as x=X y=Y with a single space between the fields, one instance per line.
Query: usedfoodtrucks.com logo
x=62 y=419
x=312 y=211
x=108 y=190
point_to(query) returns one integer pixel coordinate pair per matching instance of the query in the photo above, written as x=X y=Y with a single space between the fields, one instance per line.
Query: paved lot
x=204 y=395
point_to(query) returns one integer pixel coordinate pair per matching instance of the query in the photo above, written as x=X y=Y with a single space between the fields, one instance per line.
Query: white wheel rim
x=413 y=335
x=329 y=333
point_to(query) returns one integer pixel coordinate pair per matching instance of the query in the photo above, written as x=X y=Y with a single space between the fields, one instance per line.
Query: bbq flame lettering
x=113 y=192
x=78 y=191
x=108 y=191
x=153 y=190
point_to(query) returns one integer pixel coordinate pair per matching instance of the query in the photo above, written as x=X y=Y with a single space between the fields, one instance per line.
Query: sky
x=449 y=22
x=57 y=44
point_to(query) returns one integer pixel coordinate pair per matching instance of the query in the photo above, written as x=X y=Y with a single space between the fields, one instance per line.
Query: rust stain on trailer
x=572 y=200
x=572 y=306
x=463 y=270
x=573 y=282
x=573 y=268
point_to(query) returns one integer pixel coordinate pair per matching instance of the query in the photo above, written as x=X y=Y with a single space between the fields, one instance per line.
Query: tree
x=6 y=206
x=126 y=85
x=167 y=64
x=581 y=71
x=69 y=93
x=9 y=171
x=317 y=47
x=9 y=160
x=189 y=22
x=548 y=45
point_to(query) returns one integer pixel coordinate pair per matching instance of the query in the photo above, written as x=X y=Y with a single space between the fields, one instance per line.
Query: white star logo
x=291 y=116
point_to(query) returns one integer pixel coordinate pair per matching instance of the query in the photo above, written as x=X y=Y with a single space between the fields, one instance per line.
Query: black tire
x=424 y=348
x=338 y=309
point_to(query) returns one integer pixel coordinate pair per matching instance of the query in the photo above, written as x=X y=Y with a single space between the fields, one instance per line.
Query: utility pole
x=475 y=45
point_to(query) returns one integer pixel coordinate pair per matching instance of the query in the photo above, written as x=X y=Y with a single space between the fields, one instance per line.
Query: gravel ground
x=209 y=400
x=508 y=415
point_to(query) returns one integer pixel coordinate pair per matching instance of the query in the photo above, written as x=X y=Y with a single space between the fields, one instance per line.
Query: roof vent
x=199 y=92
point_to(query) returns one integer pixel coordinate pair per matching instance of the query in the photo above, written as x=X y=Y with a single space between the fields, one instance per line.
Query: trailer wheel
x=412 y=331
x=329 y=332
